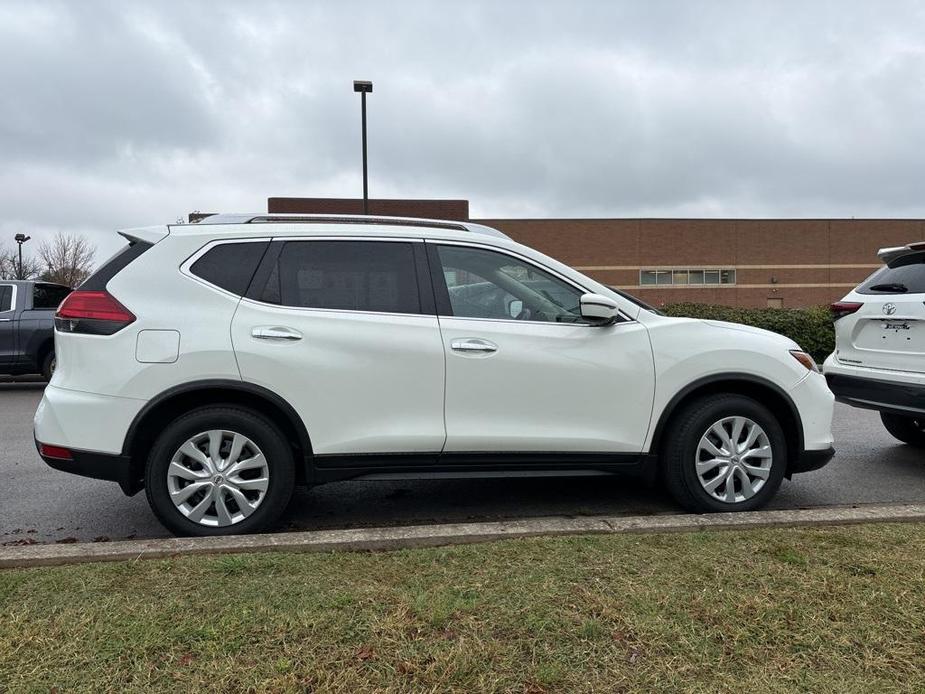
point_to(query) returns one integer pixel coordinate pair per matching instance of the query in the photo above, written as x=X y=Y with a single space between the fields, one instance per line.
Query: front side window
x=487 y=284
x=6 y=297
x=375 y=276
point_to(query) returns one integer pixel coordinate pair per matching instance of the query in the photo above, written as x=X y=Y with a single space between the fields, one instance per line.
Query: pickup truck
x=27 y=326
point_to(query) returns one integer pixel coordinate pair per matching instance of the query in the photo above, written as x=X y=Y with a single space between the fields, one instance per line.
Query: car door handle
x=275 y=332
x=473 y=344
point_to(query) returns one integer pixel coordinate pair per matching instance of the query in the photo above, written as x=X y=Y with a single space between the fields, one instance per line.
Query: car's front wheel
x=909 y=430
x=219 y=471
x=724 y=452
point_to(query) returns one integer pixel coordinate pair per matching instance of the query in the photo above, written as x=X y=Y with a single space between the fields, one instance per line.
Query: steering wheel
x=525 y=314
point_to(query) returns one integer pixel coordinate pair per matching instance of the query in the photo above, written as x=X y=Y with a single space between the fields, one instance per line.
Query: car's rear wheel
x=909 y=430
x=219 y=471
x=724 y=453
x=48 y=366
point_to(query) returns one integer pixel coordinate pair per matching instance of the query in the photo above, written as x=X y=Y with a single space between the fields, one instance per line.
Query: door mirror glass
x=515 y=308
x=598 y=308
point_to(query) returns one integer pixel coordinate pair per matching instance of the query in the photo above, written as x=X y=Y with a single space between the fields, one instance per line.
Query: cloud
x=119 y=114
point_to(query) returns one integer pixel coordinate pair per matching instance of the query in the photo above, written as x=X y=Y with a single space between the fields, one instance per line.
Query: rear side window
x=905 y=276
x=230 y=265
x=6 y=297
x=346 y=275
x=48 y=296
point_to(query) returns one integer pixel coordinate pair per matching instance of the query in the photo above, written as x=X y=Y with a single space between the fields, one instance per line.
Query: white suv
x=879 y=358
x=217 y=364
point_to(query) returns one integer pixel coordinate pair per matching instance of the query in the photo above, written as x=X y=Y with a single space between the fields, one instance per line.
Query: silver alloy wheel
x=733 y=459
x=218 y=478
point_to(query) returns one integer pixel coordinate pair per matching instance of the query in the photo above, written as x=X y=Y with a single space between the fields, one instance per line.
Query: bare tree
x=10 y=269
x=68 y=259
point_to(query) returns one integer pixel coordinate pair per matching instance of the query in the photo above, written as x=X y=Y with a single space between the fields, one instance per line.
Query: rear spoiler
x=149 y=235
x=889 y=255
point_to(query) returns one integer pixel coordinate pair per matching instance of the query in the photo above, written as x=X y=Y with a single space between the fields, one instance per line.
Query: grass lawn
x=825 y=609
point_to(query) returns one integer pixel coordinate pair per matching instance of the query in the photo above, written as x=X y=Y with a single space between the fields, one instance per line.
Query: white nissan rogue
x=216 y=365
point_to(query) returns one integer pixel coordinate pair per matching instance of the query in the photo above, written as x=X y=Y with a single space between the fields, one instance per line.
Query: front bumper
x=877 y=394
x=99 y=466
x=808 y=461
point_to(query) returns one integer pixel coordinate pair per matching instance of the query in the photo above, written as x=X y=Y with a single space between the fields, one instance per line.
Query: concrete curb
x=368 y=539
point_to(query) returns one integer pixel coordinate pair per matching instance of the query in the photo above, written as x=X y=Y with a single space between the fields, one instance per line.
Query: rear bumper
x=92 y=427
x=84 y=421
x=99 y=466
x=876 y=394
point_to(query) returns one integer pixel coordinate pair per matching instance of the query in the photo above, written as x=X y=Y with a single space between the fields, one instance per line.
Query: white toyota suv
x=216 y=365
x=879 y=357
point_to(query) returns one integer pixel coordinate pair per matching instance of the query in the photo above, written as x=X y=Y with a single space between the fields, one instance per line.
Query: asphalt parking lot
x=42 y=505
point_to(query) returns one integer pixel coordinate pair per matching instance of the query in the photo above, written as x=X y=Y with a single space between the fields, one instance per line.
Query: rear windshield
x=905 y=276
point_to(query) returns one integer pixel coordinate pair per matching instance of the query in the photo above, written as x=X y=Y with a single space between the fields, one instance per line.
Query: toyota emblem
x=889 y=309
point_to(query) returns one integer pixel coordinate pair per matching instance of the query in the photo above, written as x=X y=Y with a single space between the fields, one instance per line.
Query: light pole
x=364 y=87
x=21 y=239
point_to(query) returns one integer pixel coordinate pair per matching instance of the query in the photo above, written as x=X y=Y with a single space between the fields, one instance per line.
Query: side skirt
x=397 y=466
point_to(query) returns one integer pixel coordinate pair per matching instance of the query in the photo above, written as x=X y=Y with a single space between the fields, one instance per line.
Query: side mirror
x=598 y=308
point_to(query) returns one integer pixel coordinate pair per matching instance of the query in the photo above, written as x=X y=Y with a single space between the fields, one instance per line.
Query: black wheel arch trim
x=732 y=376
x=221 y=384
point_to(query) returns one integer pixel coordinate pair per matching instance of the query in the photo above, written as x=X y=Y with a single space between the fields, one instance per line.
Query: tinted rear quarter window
x=905 y=276
x=6 y=297
x=48 y=296
x=230 y=265
x=346 y=275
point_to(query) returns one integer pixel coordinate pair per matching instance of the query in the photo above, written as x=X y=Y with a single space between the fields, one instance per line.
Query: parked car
x=218 y=364
x=27 y=312
x=879 y=357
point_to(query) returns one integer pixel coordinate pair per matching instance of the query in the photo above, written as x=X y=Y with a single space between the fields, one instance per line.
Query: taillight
x=840 y=309
x=92 y=313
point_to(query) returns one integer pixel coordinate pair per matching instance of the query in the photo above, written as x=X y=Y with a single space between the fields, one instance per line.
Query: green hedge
x=811 y=328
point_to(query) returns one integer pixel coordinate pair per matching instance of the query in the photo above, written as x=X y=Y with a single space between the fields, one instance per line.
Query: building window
x=684 y=278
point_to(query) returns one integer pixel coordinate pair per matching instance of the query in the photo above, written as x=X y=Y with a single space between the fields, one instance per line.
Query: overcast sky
x=120 y=114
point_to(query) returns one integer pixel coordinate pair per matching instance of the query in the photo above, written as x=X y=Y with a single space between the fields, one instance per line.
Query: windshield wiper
x=895 y=287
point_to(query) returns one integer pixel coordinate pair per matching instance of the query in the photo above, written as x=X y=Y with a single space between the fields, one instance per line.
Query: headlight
x=805 y=360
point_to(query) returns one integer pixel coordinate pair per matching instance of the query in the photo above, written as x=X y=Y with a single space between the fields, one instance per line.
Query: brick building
x=738 y=262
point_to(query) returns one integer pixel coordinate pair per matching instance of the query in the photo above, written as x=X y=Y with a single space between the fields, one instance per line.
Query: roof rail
x=346 y=219
x=393 y=221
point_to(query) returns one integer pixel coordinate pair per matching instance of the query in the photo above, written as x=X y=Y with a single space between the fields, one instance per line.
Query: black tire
x=264 y=434
x=48 y=365
x=909 y=430
x=679 y=454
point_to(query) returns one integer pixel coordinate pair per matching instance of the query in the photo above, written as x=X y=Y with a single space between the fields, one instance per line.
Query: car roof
x=29 y=283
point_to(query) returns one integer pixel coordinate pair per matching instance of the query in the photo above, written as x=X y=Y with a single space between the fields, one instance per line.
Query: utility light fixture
x=364 y=87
